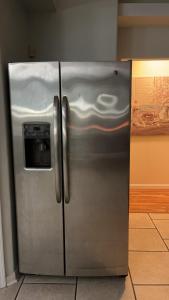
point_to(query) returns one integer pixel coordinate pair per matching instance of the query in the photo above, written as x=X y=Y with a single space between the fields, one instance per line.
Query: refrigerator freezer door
x=98 y=133
x=36 y=143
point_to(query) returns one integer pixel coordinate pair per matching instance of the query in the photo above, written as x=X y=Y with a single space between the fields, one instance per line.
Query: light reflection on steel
x=98 y=127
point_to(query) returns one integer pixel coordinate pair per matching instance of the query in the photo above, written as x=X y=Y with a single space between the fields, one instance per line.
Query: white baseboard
x=149 y=186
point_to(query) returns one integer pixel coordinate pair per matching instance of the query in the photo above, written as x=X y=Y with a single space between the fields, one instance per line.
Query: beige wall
x=81 y=30
x=13 y=47
x=150 y=161
x=150 y=154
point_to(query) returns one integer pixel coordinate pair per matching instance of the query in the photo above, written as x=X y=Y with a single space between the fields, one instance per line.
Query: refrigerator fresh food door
x=96 y=139
x=35 y=108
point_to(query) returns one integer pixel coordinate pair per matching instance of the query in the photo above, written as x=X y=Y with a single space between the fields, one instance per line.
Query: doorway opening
x=149 y=177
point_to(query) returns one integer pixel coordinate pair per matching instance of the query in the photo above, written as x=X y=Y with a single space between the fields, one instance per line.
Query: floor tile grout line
x=154 y=251
x=151 y=284
x=76 y=287
x=16 y=297
x=158 y=231
x=134 y=292
x=160 y=219
x=166 y=244
x=142 y=228
x=154 y=229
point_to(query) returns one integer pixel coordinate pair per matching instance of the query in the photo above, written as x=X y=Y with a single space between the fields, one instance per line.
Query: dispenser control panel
x=37 y=145
x=37 y=130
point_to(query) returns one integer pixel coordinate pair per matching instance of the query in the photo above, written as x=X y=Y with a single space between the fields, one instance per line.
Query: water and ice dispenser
x=37 y=145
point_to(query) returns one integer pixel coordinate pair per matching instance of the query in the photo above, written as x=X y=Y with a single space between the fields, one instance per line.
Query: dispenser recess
x=37 y=145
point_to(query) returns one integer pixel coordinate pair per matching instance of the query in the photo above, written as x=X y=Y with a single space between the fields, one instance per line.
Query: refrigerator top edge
x=68 y=61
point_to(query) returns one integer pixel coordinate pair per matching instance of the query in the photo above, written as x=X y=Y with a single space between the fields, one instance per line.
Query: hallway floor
x=148 y=277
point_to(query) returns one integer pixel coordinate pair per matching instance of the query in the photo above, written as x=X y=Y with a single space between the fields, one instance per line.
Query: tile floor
x=148 y=277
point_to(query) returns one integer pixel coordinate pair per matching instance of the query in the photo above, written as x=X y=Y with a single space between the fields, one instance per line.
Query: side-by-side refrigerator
x=71 y=137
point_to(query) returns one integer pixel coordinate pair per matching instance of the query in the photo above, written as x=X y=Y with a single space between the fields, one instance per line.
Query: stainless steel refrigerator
x=71 y=136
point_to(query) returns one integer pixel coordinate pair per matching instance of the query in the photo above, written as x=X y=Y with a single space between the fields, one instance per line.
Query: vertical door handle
x=57 y=147
x=65 y=148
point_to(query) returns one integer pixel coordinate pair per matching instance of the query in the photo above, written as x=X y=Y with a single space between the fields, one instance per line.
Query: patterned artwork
x=150 y=106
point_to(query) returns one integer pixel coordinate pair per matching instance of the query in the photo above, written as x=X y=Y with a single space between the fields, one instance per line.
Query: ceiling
x=52 y=5
x=39 y=5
